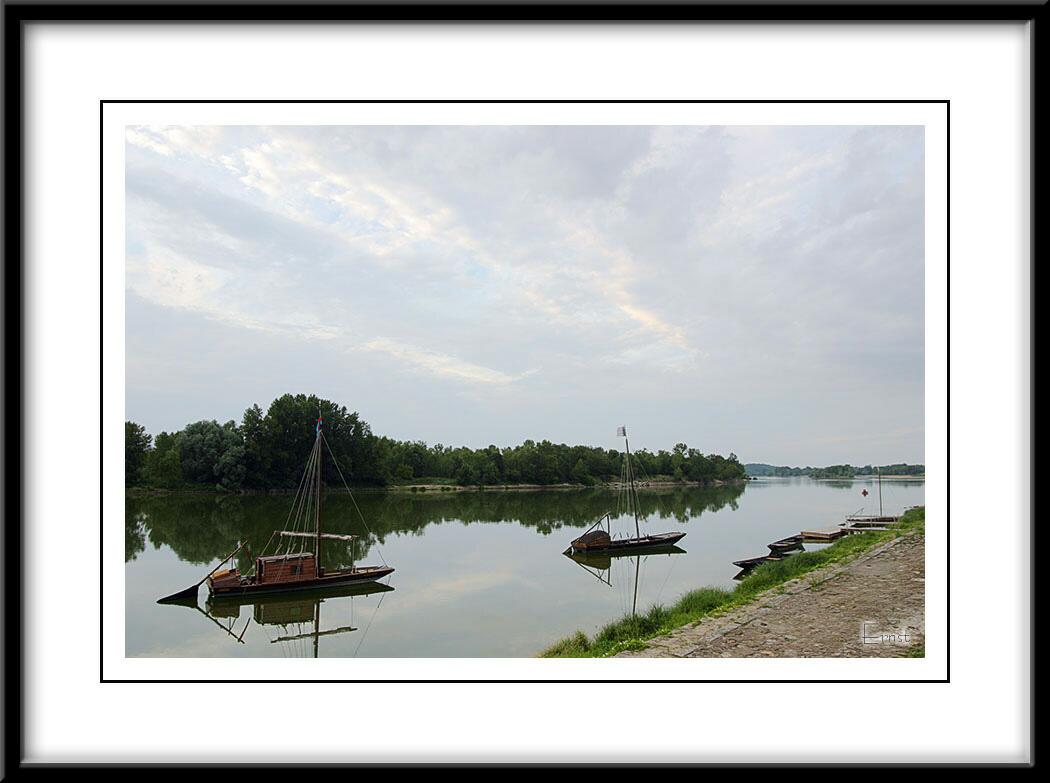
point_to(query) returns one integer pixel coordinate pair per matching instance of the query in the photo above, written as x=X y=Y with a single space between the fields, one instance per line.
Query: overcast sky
x=756 y=290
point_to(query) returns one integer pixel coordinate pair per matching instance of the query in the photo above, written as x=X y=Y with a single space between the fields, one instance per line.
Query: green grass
x=916 y=651
x=630 y=633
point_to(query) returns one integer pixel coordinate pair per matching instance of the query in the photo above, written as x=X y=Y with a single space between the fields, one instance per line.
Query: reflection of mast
x=595 y=571
x=637 y=566
x=317 y=606
x=224 y=628
x=316 y=633
x=596 y=563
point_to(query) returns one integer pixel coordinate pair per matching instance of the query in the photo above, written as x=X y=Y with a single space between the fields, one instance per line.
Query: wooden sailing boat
x=288 y=571
x=599 y=539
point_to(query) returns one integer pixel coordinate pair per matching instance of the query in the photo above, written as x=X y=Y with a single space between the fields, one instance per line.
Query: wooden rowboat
x=786 y=544
x=602 y=542
x=750 y=562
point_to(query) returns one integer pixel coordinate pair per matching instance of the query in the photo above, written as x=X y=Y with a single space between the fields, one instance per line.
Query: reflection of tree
x=202 y=528
x=838 y=483
x=134 y=533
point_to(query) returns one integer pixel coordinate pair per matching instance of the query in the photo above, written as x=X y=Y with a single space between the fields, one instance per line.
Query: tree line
x=267 y=451
x=834 y=471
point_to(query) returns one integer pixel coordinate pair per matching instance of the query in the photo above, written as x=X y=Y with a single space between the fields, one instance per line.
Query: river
x=478 y=574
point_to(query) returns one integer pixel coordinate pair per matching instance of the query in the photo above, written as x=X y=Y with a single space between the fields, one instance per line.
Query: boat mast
x=630 y=478
x=317 y=505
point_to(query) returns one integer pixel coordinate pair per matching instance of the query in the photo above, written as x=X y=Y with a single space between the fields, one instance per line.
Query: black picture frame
x=16 y=15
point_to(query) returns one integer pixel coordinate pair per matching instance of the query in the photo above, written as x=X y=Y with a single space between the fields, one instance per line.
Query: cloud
x=440 y=364
x=581 y=271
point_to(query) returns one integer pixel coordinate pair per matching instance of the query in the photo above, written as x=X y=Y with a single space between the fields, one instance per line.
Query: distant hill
x=834 y=471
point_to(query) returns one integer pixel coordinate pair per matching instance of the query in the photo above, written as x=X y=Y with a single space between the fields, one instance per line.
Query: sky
x=755 y=289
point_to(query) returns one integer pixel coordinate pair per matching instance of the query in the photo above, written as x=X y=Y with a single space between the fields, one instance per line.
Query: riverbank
x=809 y=604
x=433 y=488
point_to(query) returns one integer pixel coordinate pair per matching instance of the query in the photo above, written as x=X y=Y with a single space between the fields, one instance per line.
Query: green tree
x=136 y=447
x=580 y=474
x=163 y=466
x=268 y=450
x=256 y=460
x=212 y=454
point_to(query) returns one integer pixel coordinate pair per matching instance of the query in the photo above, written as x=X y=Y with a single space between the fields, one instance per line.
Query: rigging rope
x=352 y=499
x=364 y=635
x=302 y=507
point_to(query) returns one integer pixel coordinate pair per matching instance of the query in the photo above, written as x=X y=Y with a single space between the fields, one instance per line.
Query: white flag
x=621 y=432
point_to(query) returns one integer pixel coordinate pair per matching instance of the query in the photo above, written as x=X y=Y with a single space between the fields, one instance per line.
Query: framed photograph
x=475 y=371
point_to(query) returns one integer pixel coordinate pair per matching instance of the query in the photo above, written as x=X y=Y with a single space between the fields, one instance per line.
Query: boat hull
x=335 y=579
x=628 y=544
x=602 y=561
x=788 y=544
x=216 y=605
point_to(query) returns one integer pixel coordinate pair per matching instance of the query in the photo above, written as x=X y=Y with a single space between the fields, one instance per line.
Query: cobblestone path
x=873 y=606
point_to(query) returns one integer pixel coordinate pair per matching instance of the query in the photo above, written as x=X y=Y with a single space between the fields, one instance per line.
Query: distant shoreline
x=431 y=489
x=846 y=478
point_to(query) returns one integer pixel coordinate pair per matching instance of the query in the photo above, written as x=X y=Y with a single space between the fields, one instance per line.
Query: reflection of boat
x=778 y=550
x=300 y=609
x=599 y=564
x=750 y=562
x=291 y=571
x=599 y=539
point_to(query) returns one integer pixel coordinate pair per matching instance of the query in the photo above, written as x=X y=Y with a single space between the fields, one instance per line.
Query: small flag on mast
x=621 y=432
x=318 y=425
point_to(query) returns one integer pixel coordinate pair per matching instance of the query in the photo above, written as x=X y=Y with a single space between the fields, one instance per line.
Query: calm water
x=478 y=573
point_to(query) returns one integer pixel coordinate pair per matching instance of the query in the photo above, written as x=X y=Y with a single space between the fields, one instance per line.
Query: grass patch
x=630 y=633
x=916 y=651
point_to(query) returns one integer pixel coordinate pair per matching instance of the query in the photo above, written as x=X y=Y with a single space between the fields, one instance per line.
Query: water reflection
x=202 y=528
x=293 y=621
x=599 y=565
